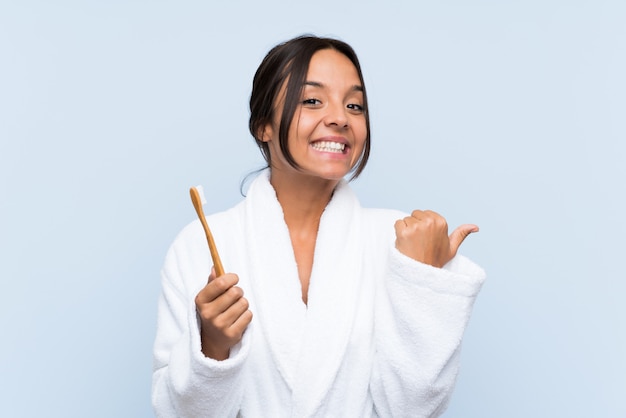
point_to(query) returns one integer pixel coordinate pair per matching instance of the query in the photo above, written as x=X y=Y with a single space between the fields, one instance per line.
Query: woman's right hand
x=224 y=315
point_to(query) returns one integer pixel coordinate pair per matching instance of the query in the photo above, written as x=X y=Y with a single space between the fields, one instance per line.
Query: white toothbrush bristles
x=201 y=193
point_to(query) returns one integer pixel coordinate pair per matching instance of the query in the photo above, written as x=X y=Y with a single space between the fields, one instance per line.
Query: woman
x=357 y=312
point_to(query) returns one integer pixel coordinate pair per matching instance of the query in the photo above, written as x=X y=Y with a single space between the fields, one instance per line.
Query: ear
x=266 y=133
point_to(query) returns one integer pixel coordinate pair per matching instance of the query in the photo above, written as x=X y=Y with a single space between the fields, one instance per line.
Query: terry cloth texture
x=380 y=336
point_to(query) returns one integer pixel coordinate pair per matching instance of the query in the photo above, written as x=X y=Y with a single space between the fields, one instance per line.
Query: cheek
x=361 y=133
x=303 y=127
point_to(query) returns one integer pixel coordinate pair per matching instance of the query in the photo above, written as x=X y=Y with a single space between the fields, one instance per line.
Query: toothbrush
x=197 y=197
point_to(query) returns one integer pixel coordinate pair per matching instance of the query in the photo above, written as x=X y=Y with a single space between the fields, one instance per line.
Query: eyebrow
x=321 y=85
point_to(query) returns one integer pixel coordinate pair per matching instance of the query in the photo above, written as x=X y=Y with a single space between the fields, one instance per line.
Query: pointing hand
x=423 y=236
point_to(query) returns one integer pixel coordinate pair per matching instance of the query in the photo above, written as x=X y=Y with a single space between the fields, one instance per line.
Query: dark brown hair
x=290 y=61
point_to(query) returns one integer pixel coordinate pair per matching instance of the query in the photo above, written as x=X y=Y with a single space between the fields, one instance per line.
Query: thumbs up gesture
x=423 y=236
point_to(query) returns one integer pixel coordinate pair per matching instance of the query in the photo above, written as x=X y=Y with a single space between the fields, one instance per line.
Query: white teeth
x=328 y=146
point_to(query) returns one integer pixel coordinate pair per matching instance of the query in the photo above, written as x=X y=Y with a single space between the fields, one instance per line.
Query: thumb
x=458 y=236
x=212 y=275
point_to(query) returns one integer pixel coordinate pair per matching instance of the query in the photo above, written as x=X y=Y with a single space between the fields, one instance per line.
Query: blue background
x=511 y=115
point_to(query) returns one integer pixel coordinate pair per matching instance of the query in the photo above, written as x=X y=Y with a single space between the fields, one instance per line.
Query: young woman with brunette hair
x=357 y=312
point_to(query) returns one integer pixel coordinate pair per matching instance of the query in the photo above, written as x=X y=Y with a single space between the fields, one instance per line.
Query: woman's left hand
x=423 y=236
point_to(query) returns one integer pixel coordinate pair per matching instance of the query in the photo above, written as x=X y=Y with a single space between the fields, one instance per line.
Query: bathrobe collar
x=307 y=343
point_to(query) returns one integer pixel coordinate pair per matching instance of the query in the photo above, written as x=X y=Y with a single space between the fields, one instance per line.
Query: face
x=328 y=131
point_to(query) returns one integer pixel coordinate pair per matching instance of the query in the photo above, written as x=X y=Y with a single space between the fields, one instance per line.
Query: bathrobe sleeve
x=184 y=382
x=420 y=315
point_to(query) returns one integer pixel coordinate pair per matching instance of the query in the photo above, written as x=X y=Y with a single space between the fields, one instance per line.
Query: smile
x=328 y=146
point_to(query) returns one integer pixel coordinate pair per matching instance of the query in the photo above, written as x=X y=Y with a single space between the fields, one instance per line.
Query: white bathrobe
x=380 y=336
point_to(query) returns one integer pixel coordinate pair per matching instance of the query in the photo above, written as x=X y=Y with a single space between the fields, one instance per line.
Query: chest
x=304 y=253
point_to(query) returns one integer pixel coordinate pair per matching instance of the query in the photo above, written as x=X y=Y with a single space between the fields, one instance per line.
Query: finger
x=214 y=311
x=216 y=287
x=234 y=311
x=213 y=275
x=431 y=214
x=401 y=226
x=417 y=214
x=224 y=302
x=458 y=236
x=242 y=322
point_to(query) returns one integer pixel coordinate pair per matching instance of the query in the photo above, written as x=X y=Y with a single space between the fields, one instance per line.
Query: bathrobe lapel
x=280 y=311
x=332 y=301
x=307 y=343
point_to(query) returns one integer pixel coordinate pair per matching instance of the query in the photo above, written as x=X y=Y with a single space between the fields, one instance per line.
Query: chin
x=334 y=175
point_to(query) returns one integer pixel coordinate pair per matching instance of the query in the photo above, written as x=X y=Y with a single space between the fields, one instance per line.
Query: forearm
x=191 y=385
x=185 y=382
x=421 y=314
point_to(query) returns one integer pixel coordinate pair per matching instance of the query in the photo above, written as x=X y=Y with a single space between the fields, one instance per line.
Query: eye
x=355 y=107
x=311 y=102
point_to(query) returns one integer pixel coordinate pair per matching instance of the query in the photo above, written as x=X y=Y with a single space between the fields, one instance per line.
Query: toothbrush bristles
x=201 y=193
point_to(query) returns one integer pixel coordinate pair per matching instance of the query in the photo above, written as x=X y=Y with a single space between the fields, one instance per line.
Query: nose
x=336 y=115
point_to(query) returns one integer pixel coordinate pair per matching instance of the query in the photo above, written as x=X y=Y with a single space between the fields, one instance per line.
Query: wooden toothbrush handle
x=197 y=204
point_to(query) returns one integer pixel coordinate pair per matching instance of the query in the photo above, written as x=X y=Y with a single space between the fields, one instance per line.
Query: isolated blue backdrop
x=511 y=115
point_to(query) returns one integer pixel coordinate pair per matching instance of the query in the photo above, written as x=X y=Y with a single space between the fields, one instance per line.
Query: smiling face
x=328 y=131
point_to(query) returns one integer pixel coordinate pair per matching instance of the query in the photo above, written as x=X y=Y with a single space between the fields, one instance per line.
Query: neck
x=303 y=198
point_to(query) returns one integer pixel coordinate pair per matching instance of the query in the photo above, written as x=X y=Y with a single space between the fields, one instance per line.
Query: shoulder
x=188 y=258
x=193 y=232
x=378 y=225
x=381 y=217
x=192 y=235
